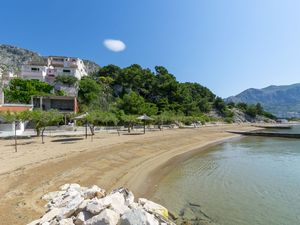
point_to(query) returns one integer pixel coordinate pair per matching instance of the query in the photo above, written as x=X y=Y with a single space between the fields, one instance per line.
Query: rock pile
x=76 y=205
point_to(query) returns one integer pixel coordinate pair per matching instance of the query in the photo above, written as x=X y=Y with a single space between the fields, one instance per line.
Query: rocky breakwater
x=76 y=205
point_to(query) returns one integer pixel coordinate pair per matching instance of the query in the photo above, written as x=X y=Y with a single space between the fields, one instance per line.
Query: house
x=53 y=66
x=5 y=77
x=18 y=127
x=65 y=104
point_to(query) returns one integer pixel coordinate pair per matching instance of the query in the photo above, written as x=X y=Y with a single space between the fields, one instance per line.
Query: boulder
x=106 y=217
x=95 y=206
x=71 y=207
x=50 y=215
x=128 y=195
x=93 y=191
x=138 y=217
x=75 y=205
x=53 y=195
x=67 y=221
x=82 y=217
x=35 y=222
x=153 y=207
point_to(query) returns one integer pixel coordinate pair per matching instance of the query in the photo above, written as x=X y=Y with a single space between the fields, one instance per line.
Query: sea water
x=244 y=181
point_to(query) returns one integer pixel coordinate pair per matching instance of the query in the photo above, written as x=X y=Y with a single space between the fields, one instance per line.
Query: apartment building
x=53 y=66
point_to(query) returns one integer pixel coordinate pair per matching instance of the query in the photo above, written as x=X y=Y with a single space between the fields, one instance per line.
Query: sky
x=225 y=45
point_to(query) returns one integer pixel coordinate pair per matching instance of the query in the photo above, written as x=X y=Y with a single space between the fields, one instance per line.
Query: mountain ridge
x=281 y=100
x=13 y=57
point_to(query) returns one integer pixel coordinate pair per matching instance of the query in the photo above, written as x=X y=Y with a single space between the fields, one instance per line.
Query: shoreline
x=137 y=162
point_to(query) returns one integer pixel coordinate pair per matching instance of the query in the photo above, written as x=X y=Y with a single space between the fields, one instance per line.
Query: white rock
x=50 y=215
x=82 y=217
x=68 y=221
x=134 y=205
x=114 y=198
x=91 y=192
x=106 y=217
x=129 y=199
x=71 y=207
x=35 y=222
x=75 y=187
x=119 y=208
x=52 y=195
x=46 y=223
x=95 y=206
x=64 y=187
x=138 y=217
x=153 y=207
x=128 y=195
x=83 y=204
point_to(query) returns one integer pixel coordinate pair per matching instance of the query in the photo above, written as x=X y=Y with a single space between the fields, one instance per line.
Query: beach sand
x=109 y=161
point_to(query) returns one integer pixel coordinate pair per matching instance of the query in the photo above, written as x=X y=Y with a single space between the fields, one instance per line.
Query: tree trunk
x=16 y=148
x=38 y=132
x=43 y=135
x=92 y=129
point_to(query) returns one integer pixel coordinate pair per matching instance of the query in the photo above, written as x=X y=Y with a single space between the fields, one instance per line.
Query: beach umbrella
x=81 y=116
x=144 y=118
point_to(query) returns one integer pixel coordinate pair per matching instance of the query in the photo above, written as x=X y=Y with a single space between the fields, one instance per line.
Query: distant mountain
x=12 y=58
x=283 y=101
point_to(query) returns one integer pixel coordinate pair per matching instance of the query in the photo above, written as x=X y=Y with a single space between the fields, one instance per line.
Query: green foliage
x=159 y=89
x=20 y=91
x=269 y=115
x=10 y=117
x=242 y=106
x=251 y=110
x=66 y=80
x=89 y=92
x=40 y=119
x=101 y=118
x=133 y=103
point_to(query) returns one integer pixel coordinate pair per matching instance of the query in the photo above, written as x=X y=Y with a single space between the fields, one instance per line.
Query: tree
x=66 y=80
x=259 y=109
x=89 y=92
x=128 y=120
x=220 y=105
x=12 y=117
x=41 y=119
x=98 y=117
x=251 y=110
x=20 y=91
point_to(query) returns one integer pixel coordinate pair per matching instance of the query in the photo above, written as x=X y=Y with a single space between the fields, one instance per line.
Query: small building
x=18 y=127
x=48 y=69
x=65 y=104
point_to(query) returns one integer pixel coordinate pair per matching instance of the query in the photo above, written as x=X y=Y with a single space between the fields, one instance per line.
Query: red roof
x=16 y=108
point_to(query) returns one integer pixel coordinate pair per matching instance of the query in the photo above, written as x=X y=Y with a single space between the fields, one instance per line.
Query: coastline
x=134 y=161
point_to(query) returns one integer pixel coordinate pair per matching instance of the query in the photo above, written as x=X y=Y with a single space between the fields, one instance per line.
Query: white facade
x=34 y=72
x=52 y=67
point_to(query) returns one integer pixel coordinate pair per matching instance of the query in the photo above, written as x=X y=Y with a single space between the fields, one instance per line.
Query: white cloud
x=114 y=45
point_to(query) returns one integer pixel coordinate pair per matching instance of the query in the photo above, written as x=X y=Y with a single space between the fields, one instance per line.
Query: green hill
x=283 y=100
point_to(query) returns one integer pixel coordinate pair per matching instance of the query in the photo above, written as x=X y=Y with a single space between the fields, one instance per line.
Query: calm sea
x=245 y=181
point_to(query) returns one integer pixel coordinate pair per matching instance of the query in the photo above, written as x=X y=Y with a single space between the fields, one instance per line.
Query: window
x=66 y=71
x=34 y=69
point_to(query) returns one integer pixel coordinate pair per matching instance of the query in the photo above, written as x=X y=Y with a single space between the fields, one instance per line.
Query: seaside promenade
x=109 y=161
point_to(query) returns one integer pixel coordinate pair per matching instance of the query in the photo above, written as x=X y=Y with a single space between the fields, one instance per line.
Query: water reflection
x=253 y=180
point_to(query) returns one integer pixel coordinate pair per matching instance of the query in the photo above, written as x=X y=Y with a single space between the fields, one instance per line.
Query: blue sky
x=226 y=45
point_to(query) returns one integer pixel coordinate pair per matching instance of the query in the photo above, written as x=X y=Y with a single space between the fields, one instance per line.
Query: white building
x=52 y=67
x=5 y=77
x=18 y=127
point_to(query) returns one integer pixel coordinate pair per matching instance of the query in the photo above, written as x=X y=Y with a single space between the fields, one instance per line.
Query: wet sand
x=109 y=161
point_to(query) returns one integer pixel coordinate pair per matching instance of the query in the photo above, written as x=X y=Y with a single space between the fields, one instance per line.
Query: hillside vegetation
x=131 y=91
x=283 y=101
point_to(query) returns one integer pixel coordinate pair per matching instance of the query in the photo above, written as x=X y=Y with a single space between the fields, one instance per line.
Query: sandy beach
x=109 y=161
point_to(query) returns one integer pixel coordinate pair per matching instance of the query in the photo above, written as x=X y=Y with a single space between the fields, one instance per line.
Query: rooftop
x=15 y=107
